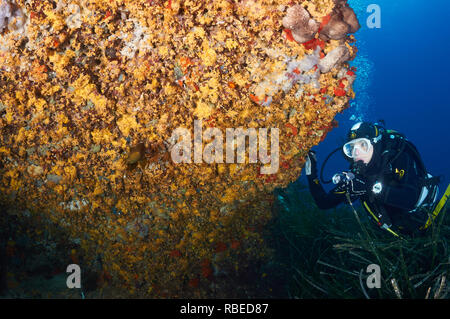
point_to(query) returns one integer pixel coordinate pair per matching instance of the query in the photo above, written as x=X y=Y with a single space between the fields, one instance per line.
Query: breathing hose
x=323 y=165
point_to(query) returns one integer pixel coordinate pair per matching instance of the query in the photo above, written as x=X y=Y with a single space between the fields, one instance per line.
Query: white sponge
x=5 y=13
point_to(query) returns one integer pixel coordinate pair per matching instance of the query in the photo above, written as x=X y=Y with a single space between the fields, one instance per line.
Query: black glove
x=358 y=168
x=311 y=164
x=357 y=186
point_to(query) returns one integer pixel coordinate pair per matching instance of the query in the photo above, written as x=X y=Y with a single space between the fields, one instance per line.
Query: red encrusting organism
x=312 y=44
x=325 y=20
x=289 y=35
x=206 y=268
x=294 y=130
x=339 y=92
x=220 y=247
x=175 y=253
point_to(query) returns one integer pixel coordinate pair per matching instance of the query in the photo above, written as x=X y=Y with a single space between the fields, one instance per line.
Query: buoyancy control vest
x=395 y=144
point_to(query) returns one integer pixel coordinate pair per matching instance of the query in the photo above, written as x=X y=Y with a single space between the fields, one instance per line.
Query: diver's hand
x=357 y=186
x=311 y=164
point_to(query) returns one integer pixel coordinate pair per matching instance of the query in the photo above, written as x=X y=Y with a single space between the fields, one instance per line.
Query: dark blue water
x=403 y=78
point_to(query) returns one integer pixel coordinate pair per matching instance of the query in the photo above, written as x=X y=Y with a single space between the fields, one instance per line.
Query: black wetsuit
x=401 y=181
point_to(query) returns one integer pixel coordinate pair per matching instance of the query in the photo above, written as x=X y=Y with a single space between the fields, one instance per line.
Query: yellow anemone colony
x=90 y=93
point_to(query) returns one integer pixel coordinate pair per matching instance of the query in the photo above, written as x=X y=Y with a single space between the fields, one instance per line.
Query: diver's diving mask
x=362 y=144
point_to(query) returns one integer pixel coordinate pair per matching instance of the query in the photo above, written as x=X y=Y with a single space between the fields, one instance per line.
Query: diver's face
x=359 y=155
x=360 y=149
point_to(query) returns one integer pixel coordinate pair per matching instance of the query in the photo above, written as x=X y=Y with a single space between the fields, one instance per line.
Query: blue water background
x=403 y=78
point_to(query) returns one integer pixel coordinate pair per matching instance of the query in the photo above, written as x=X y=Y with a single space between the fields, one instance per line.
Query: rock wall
x=91 y=92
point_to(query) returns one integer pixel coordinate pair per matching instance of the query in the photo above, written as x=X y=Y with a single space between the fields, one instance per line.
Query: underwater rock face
x=5 y=13
x=341 y=22
x=91 y=91
x=11 y=16
x=335 y=57
x=300 y=22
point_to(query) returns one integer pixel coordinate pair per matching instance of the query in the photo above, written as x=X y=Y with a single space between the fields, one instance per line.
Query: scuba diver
x=387 y=175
